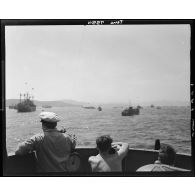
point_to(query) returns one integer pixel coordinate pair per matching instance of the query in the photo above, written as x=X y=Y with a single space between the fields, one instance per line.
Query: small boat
x=46 y=106
x=139 y=107
x=12 y=107
x=130 y=111
x=99 y=108
x=158 y=107
x=88 y=107
x=152 y=106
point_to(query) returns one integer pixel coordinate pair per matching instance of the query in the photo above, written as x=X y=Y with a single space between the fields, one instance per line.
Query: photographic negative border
x=18 y=22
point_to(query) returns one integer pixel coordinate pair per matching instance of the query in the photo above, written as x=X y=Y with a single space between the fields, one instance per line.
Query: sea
x=169 y=124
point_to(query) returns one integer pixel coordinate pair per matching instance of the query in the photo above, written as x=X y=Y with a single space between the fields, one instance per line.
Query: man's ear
x=43 y=126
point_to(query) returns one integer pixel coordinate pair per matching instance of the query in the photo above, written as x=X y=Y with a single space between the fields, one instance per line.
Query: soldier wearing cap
x=165 y=162
x=52 y=147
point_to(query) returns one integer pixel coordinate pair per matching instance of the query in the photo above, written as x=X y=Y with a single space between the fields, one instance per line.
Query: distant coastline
x=10 y=102
x=73 y=103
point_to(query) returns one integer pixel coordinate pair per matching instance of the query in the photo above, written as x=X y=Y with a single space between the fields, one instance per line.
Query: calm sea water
x=170 y=124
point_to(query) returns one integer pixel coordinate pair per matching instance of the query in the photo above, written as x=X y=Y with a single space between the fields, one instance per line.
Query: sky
x=99 y=63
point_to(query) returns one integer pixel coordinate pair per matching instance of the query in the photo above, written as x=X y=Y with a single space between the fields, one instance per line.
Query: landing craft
x=46 y=106
x=99 y=108
x=89 y=107
x=13 y=107
x=130 y=111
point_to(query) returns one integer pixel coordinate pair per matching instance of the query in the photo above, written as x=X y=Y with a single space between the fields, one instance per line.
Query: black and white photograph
x=97 y=98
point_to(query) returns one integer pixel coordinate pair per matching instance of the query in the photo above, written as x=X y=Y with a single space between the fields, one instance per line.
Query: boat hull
x=89 y=107
x=46 y=106
x=136 y=158
x=26 y=108
x=130 y=112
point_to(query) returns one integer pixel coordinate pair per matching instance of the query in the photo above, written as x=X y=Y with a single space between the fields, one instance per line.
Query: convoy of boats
x=27 y=105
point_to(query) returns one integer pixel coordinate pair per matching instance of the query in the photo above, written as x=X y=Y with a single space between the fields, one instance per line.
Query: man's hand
x=73 y=138
x=121 y=148
x=116 y=146
x=63 y=130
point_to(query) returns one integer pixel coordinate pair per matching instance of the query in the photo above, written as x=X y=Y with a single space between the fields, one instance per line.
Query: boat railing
x=19 y=165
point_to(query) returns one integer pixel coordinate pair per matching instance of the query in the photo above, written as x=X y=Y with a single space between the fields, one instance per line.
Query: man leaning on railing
x=53 y=147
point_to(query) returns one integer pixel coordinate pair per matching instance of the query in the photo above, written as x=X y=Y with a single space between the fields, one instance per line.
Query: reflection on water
x=170 y=124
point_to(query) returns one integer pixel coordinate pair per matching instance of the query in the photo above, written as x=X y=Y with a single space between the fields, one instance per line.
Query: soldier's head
x=104 y=143
x=49 y=120
x=167 y=155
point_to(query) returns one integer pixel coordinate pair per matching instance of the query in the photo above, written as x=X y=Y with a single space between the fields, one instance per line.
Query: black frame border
x=22 y=22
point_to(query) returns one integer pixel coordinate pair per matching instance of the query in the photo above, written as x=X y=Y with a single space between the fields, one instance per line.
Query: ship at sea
x=89 y=107
x=99 y=108
x=139 y=107
x=130 y=111
x=152 y=106
x=26 y=104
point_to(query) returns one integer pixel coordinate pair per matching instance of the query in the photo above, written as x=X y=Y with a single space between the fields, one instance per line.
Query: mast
x=32 y=94
x=20 y=97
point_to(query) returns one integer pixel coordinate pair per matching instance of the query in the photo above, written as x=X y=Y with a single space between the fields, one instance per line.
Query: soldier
x=52 y=147
x=110 y=155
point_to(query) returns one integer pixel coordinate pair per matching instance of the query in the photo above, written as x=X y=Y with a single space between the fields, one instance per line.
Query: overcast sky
x=103 y=63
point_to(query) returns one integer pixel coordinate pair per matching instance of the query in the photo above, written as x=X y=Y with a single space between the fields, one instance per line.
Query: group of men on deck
x=54 y=147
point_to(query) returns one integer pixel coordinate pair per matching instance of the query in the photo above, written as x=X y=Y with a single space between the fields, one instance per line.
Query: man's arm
x=121 y=148
x=29 y=145
x=73 y=140
x=92 y=163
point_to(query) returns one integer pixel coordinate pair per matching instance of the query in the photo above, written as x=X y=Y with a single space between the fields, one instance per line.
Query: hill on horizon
x=57 y=103
x=69 y=103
